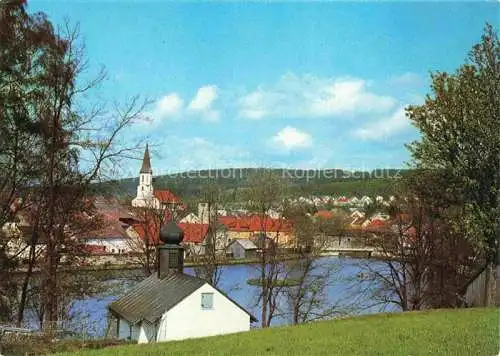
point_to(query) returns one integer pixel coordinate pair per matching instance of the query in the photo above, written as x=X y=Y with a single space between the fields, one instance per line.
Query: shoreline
x=190 y=264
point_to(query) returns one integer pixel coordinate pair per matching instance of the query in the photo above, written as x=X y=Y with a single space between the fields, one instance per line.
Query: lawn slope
x=451 y=332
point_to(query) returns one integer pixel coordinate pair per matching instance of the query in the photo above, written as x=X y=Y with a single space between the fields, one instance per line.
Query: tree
x=425 y=262
x=70 y=138
x=267 y=191
x=150 y=220
x=25 y=40
x=459 y=125
x=212 y=255
x=54 y=149
x=311 y=275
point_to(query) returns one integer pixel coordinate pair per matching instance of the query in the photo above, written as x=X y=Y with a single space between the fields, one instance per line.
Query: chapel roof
x=154 y=296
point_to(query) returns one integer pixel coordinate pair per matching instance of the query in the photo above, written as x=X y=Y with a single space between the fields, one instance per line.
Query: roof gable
x=246 y=244
x=166 y=196
x=147 y=231
x=324 y=214
x=194 y=232
x=152 y=297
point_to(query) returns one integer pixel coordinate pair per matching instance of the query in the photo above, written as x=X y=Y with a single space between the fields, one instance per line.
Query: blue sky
x=299 y=85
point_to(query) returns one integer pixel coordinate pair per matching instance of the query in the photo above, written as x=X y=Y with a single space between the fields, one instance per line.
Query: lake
x=349 y=294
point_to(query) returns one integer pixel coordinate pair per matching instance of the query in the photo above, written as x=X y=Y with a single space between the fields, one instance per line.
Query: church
x=147 y=196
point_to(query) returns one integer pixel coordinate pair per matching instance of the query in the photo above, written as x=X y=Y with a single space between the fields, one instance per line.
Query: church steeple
x=146 y=162
x=145 y=188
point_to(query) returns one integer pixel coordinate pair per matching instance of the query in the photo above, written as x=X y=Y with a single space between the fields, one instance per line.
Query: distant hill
x=190 y=185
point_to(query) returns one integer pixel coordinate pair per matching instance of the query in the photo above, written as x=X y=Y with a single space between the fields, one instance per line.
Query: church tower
x=145 y=187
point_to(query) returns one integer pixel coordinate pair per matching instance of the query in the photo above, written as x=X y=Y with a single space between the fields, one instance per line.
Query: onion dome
x=171 y=234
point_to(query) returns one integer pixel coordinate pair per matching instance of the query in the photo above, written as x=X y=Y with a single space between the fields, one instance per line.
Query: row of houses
x=123 y=231
x=354 y=219
x=342 y=200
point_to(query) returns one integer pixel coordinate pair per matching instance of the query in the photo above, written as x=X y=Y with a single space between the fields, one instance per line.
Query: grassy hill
x=234 y=181
x=443 y=332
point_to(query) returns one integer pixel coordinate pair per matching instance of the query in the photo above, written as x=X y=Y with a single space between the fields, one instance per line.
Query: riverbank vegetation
x=443 y=332
x=285 y=282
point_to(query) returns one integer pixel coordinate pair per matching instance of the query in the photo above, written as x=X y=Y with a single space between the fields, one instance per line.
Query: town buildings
x=128 y=229
x=242 y=248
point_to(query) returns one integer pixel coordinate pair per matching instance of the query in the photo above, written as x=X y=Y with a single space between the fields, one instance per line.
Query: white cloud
x=407 y=79
x=290 y=138
x=202 y=103
x=349 y=96
x=172 y=106
x=168 y=106
x=309 y=96
x=384 y=128
x=204 y=98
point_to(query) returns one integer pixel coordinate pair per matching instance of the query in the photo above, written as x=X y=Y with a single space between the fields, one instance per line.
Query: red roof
x=254 y=223
x=150 y=231
x=194 y=233
x=324 y=214
x=375 y=224
x=166 y=196
x=110 y=210
x=235 y=223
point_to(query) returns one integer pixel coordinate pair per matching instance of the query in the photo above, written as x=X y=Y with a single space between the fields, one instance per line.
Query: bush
x=288 y=282
x=42 y=344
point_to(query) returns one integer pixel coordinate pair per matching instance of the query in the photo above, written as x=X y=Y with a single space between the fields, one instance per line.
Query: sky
x=272 y=84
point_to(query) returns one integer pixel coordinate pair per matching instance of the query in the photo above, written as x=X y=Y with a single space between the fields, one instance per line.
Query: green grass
x=452 y=332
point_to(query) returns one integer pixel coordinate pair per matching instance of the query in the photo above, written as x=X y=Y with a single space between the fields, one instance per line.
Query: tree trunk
x=489 y=285
x=50 y=287
x=27 y=277
x=264 y=290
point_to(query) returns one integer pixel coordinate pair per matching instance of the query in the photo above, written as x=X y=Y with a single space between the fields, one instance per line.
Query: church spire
x=146 y=162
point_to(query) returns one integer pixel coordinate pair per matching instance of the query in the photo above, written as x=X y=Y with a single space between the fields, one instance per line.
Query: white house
x=273 y=213
x=357 y=214
x=115 y=233
x=354 y=201
x=108 y=244
x=174 y=308
x=241 y=248
x=191 y=218
x=170 y=305
x=222 y=212
x=19 y=239
x=365 y=200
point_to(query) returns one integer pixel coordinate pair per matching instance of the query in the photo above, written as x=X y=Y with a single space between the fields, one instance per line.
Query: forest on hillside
x=233 y=182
